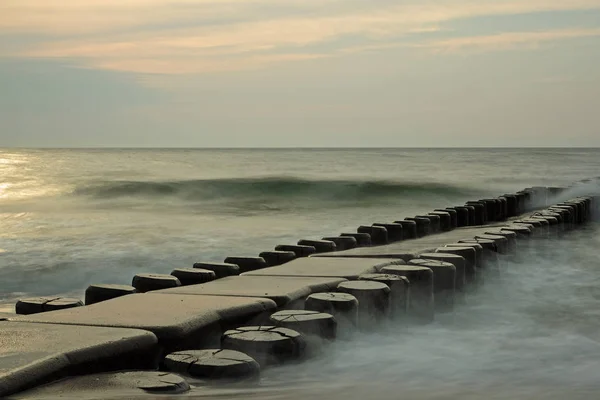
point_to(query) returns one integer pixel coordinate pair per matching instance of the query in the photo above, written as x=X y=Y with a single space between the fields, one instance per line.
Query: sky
x=310 y=73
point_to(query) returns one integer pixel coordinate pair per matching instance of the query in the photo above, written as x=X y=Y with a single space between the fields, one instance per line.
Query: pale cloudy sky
x=341 y=73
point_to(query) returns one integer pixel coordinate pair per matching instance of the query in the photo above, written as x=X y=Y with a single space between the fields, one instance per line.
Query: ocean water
x=69 y=218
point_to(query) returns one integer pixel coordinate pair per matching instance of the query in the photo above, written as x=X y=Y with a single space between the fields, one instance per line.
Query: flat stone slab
x=410 y=249
x=282 y=290
x=213 y=364
x=179 y=321
x=347 y=268
x=33 y=354
x=122 y=385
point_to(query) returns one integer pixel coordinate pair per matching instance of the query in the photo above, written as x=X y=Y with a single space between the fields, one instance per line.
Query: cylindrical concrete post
x=299 y=250
x=423 y=225
x=434 y=225
x=453 y=216
x=148 y=282
x=491 y=209
x=470 y=256
x=462 y=216
x=394 y=231
x=479 y=212
x=343 y=306
x=247 y=264
x=511 y=205
x=479 y=257
x=221 y=270
x=522 y=231
x=307 y=322
x=35 y=305
x=421 y=307
x=213 y=364
x=473 y=218
x=400 y=291
x=445 y=220
x=193 y=276
x=277 y=257
x=409 y=228
x=321 y=246
x=459 y=263
x=362 y=239
x=489 y=252
x=501 y=242
x=266 y=344
x=379 y=234
x=97 y=293
x=444 y=282
x=342 y=242
x=374 y=300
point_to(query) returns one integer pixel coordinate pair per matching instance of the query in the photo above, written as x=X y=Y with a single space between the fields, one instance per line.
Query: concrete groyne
x=229 y=320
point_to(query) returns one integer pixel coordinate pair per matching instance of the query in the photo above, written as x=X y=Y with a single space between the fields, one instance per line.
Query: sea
x=73 y=217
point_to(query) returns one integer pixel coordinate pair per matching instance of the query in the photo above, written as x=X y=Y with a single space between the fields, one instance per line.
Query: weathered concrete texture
x=400 y=291
x=479 y=213
x=444 y=282
x=266 y=344
x=277 y=257
x=395 y=232
x=489 y=251
x=307 y=322
x=374 y=300
x=434 y=225
x=470 y=256
x=193 y=276
x=34 y=305
x=501 y=242
x=321 y=246
x=423 y=225
x=452 y=213
x=343 y=242
x=299 y=250
x=343 y=306
x=179 y=321
x=212 y=364
x=97 y=293
x=32 y=354
x=149 y=282
x=421 y=306
x=341 y=267
x=459 y=263
x=362 y=239
x=123 y=385
x=221 y=270
x=479 y=256
x=284 y=291
x=379 y=235
x=522 y=231
x=445 y=220
x=409 y=229
x=247 y=264
x=462 y=215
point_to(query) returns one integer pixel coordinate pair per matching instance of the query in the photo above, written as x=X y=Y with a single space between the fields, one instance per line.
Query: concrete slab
x=121 y=385
x=33 y=354
x=347 y=268
x=179 y=321
x=282 y=290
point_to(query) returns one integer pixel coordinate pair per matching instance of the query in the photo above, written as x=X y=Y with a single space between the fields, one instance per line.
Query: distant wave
x=282 y=188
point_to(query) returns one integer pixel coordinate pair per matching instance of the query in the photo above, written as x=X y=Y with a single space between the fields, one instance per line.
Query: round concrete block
x=277 y=257
x=221 y=270
x=479 y=212
x=488 y=250
x=511 y=205
x=473 y=219
x=266 y=344
x=409 y=229
x=193 y=276
x=394 y=231
x=511 y=237
x=503 y=208
x=444 y=282
x=98 y=293
x=566 y=213
x=491 y=208
x=470 y=256
x=423 y=225
x=307 y=322
x=343 y=306
x=374 y=300
x=577 y=211
x=421 y=306
x=501 y=242
x=553 y=223
x=453 y=218
x=522 y=231
x=247 y=264
x=148 y=282
x=434 y=225
x=379 y=234
x=462 y=216
x=299 y=250
x=400 y=290
x=362 y=239
x=573 y=209
x=213 y=364
x=321 y=246
x=454 y=259
x=343 y=242
x=34 y=305
x=479 y=255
